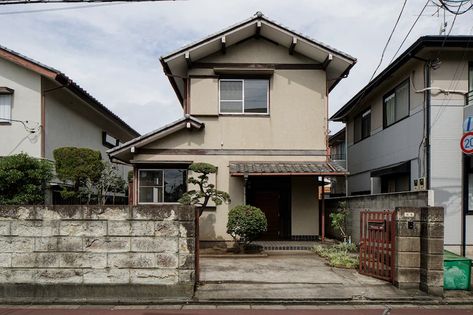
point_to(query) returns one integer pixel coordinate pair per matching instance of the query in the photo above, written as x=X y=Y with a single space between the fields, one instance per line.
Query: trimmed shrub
x=245 y=224
x=23 y=179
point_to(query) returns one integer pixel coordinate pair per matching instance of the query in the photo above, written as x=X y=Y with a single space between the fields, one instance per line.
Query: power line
x=389 y=39
x=85 y=6
x=410 y=30
x=12 y=2
x=460 y=4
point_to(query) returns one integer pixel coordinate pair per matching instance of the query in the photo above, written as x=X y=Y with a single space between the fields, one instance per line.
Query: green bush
x=23 y=179
x=246 y=223
x=81 y=167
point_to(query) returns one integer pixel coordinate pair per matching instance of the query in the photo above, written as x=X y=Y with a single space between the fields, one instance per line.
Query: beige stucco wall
x=297 y=118
x=256 y=51
x=305 y=206
x=26 y=106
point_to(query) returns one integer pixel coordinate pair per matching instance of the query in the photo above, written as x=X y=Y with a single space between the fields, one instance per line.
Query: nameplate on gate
x=409 y=214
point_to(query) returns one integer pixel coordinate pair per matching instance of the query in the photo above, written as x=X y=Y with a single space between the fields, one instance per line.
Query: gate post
x=419 y=249
x=407 y=270
x=432 y=231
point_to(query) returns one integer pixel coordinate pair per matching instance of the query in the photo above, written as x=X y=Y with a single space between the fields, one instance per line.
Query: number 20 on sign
x=467 y=143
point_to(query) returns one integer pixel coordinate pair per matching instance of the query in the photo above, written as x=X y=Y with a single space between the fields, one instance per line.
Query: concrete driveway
x=300 y=277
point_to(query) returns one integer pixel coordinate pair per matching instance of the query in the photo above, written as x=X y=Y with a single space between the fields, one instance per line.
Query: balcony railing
x=469 y=97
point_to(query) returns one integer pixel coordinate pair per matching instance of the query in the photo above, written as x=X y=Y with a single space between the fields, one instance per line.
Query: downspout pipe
x=427 y=95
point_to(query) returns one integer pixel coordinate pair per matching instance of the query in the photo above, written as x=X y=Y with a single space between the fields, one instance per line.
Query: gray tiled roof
x=282 y=167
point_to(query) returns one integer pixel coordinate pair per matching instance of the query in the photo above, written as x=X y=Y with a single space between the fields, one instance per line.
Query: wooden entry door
x=269 y=203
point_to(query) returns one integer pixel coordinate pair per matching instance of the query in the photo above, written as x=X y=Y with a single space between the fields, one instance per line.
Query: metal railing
x=469 y=97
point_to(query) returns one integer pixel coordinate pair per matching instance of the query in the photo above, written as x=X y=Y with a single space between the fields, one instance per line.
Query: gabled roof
x=175 y=64
x=186 y=122
x=459 y=41
x=62 y=79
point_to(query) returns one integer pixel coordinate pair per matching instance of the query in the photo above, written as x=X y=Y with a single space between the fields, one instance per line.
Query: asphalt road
x=264 y=310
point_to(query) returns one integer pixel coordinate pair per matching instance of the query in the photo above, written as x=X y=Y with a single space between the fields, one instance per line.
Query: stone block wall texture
x=378 y=202
x=419 y=249
x=110 y=254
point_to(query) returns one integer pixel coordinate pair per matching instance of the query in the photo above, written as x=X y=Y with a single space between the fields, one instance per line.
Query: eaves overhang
x=335 y=62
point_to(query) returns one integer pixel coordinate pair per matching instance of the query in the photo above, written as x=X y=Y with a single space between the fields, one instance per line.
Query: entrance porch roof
x=284 y=168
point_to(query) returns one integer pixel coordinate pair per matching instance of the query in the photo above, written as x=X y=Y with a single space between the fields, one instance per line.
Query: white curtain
x=390 y=109
x=5 y=106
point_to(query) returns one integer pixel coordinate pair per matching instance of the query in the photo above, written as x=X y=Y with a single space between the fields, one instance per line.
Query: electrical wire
x=461 y=3
x=60 y=9
x=410 y=30
x=389 y=39
x=14 y=2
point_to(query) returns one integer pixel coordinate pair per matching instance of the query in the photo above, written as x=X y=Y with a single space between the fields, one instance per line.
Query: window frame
x=162 y=186
x=242 y=113
x=393 y=92
x=361 y=116
x=7 y=91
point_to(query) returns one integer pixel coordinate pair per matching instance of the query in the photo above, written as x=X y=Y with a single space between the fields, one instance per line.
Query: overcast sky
x=113 y=50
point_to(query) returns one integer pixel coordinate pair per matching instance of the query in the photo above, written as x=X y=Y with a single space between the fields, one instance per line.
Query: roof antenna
x=259 y=14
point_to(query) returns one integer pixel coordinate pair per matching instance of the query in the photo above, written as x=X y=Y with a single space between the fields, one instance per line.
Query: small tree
x=109 y=182
x=82 y=167
x=339 y=219
x=23 y=179
x=245 y=224
x=206 y=192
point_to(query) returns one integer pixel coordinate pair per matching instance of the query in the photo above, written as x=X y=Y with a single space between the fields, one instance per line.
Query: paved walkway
x=295 y=277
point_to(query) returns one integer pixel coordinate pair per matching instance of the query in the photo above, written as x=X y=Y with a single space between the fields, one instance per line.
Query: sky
x=113 y=50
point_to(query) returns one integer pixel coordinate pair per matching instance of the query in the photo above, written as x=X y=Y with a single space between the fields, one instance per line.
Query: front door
x=268 y=202
x=272 y=194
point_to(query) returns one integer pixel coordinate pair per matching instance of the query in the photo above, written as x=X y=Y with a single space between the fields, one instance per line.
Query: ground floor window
x=395 y=183
x=161 y=185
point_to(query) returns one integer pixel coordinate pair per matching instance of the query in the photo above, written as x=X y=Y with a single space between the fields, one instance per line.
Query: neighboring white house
x=255 y=99
x=404 y=128
x=42 y=109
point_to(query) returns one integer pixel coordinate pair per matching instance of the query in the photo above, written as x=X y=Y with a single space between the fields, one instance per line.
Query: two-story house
x=403 y=131
x=255 y=99
x=42 y=109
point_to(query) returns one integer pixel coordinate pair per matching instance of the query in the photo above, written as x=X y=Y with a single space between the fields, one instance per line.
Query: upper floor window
x=396 y=104
x=363 y=126
x=109 y=141
x=6 y=101
x=244 y=96
x=161 y=185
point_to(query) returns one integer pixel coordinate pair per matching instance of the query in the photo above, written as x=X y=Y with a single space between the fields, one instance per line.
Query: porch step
x=285 y=245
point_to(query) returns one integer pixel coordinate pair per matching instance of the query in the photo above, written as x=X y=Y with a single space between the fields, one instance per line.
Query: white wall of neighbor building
x=446 y=155
x=26 y=107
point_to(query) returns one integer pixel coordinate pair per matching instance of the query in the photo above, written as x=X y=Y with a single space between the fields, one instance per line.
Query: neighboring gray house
x=338 y=154
x=42 y=109
x=404 y=129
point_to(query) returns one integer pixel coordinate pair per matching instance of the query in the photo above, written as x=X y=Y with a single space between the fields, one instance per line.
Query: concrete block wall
x=89 y=253
x=419 y=249
x=378 y=202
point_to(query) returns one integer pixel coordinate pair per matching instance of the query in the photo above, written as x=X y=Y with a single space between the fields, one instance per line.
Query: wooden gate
x=377 y=240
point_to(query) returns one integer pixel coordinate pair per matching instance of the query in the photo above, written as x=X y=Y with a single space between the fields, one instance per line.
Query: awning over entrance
x=286 y=168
